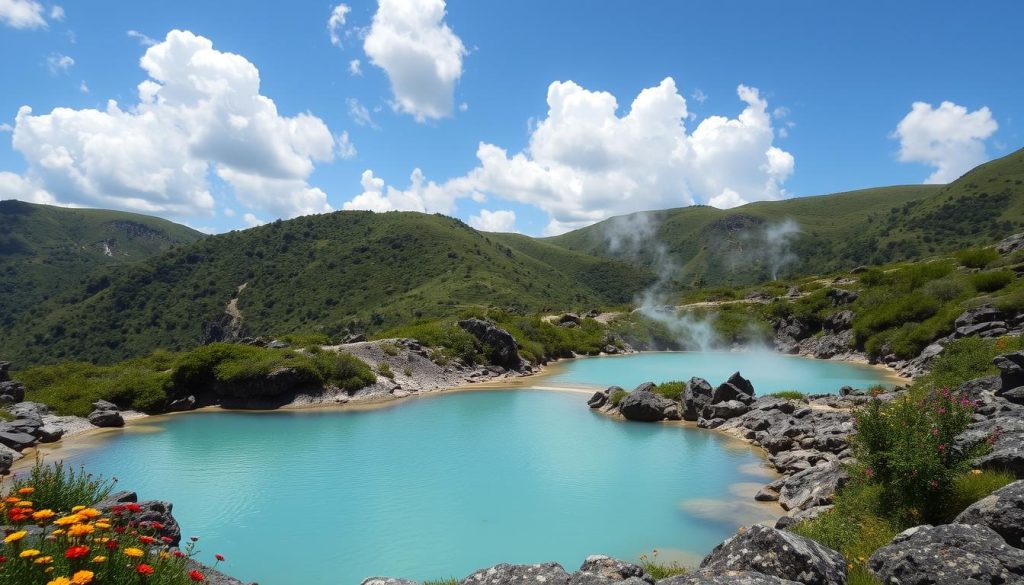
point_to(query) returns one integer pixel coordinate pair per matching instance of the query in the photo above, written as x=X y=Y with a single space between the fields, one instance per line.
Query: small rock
x=506 y=574
x=106 y=418
x=614 y=569
x=780 y=554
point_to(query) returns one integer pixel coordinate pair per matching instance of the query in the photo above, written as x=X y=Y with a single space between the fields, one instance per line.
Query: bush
x=345 y=370
x=659 y=570
x=896 y=311
x=1013 y=302
x=61 y=489
x=966 y=359
x=452 y=341
x=789 y=394
x=977 y=257
x=617 y=397
x=972 y=487
x=991 y=281
x=671 y=390
x=913 y=277
x=384 y=369
x=72 y=387
x=906 y=448
x=948 y=288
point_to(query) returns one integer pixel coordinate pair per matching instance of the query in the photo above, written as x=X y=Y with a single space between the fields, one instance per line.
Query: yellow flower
x=82 y=577
x=89 y=512
x=101 y=539
x=80 y=530
x=103 y=525
x=16 y=536
x=57 y=532
x=77 y=508
x=165 y=555
x=99 y=559
x=43 y=515
x=60 y=581
x=26 y=491
x=72 y=519
x=43 y=560
x=133 y=552
x=24 y=504
x=975 y=472
x=28 y=553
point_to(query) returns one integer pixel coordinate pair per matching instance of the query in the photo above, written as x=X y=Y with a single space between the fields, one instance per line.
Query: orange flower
x=80 y=530
x=43 y=515
x=26 y=491
x=82 y=577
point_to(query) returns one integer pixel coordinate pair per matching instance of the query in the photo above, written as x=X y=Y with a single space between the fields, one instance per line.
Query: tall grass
x=61 y=488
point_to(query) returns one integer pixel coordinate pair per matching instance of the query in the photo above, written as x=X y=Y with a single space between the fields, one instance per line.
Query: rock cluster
x=106 y=414
x=10 y=391
x=759 y=556
x=824 y=339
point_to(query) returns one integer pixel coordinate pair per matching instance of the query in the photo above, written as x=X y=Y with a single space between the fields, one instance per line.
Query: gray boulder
x=49 y=433
x=725 y=578
x=1011 y=369
x=182 y=404
x=29 y=410
x=840 y=321
x=735 y=388
x=951 y=554
x=1002 y=511
x=106 y=418
x=696 y=396
x=11 y=392
x=152 y=511
x=16 y=440
x=505 y=574
x=840 y=296
x=779 y=554
x=6 y=461
x=991 y=329
x=728 y=409
x=613 y=569
x=1011 y=244
x=504 y=349
x=1006 y=434
x=982 y=314
x=812 y=487
x=645 y=406
x=104 y=405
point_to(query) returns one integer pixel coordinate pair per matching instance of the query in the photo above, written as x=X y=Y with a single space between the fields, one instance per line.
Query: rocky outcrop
x=106 y=414
x=504 y=351
x=612 y=569
x=840 y=296
x=646 y=406
x=505 y=574
x=10 y=391
x=725 y=578
x=779 y=554
x=1011 y=244
x=154 y=514
x=696 y=397
x=838 y=322
x=951 y=554
x=1002 y=511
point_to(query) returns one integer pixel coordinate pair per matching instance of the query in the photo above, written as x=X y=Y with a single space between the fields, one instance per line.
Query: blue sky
x=833 y=109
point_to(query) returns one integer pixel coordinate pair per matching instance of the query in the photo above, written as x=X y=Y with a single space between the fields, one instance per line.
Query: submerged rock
x=951 y=554
x=779 y=554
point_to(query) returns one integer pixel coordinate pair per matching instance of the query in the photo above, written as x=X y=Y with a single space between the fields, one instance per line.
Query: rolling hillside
x=709 y=246
x=333 y=273
x=46 y=250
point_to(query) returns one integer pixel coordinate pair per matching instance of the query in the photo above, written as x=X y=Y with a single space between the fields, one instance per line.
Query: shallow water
x=443 y=485
x=768 y=371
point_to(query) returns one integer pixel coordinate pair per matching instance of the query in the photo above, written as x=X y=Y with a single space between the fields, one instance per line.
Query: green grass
x=59 y=489
x=659 y=569
x=672 y=390
x=617 y=397
x=977 y=257
x=974 y=486
x=452 y=581
x=992 y=281
x=966 y=359
x=789 y=394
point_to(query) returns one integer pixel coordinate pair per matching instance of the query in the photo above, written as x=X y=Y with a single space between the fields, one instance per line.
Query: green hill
x=335 y=273
x=710 y=246
x=46 y=250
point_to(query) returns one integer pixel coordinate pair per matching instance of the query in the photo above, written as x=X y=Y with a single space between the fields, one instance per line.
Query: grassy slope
x=840 y=231
x=45 y=250
x=328 y=273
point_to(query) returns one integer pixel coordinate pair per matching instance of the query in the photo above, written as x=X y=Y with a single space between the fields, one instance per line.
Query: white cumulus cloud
x=14 y=186
x=503 y=220
x=949 y=138
x=585 y=162
x=355 y=67
x=57 y=13
x=22 y=14
x=420 y=53
x=58 y=63
x=199 y=111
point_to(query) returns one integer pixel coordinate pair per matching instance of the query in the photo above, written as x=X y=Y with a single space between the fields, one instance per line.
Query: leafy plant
x=671 y=390
x=991 y=281
x=789 y=394
x=977 y=257
x=60 y=488
x=658 y=569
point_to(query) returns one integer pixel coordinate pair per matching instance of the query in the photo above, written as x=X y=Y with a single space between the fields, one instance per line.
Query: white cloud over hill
x=949 y=138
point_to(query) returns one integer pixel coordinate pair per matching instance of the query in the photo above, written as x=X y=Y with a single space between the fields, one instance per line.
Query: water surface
x=768 y=371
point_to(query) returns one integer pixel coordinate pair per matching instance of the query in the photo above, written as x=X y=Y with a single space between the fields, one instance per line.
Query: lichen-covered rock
x=780 y=554
x=505 y=574
x=1006 y=434
x=725 y=578
x=645 y=406
x=1002 y=511
x=812 y=487
x=950 y=554
x=151 y=513
x=106 y=418
x=387 y=581
x=614 y=569
x=1011 y=369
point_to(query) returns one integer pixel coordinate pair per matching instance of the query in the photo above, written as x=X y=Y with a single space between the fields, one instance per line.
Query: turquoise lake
x=437 y=486
x=769 y=372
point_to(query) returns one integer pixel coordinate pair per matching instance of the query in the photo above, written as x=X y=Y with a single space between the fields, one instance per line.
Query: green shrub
x=977 y=257
x=896 y=311
x=853 y=527
x=1013 y=302
x=972 y=487
x=617 y=397
x=991 y=281
x=345 y=370
x=913 y=277
x=72 y=387
x=948 y=288
x=660 y=570
x=451 y=340
x=306 y=339
x=389 y=348
x=60 y=489
x=966 y=359
x=789 y=394
x=384 y=369
x=905 y=446
x=671 y=390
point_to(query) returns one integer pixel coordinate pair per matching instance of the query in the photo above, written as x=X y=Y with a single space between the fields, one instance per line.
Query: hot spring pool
x=440 y=486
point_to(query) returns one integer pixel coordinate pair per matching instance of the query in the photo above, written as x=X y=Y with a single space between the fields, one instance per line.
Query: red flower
x=119 y=529
x=156 y=526
x=3 y=559
x=179 y=554
x=166 y=539
x=77 y=552
x=196 y=576
x=219 y=557
x=145 y=570
x=146 y=539
x=133 y=508
x=110 y=544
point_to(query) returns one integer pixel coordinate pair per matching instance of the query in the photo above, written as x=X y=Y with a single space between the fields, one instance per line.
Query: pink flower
x=869 y=472
x=935 y=431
